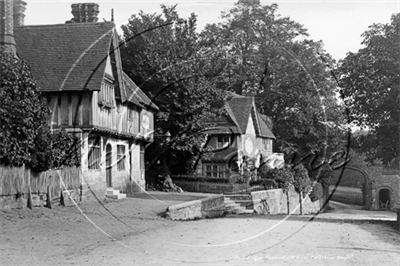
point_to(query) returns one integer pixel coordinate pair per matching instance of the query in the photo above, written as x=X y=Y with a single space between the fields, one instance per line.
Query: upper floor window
x=223 y=141
x=106 y=95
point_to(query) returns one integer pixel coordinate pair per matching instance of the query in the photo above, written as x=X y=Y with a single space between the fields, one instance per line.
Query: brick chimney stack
x=19 y=12
x=7 y=25
x=85 y=12
x=250 y=2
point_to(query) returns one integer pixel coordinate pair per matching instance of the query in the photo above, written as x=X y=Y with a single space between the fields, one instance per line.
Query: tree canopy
x=370 y=80
x=271 y=58
x=22 y=113
x=163 y=56
x=25 y=136
x=254 y=52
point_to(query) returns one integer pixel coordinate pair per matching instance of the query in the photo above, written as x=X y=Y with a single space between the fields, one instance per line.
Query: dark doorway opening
x=108 y=165
x=384 y=199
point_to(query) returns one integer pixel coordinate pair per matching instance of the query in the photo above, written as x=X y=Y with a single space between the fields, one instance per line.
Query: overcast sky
x=338 y=23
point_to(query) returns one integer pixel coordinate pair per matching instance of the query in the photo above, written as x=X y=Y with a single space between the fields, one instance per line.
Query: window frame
x=216 y=170
x=106 y=95
x=226 y=139
x=94 y=153
x=121 y=157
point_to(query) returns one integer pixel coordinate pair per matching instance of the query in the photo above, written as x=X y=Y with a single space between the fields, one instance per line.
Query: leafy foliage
x=25 y=136
x=266 y=183
x=370 y=80
x=54 y=150
x=22 y=113
x=268 y=57
x=284 y=177
x=201 y=179
x=316 y=192
x=167 y=62
x=302 y=182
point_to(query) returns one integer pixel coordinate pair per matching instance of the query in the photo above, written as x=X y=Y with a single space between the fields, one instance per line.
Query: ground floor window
x=121 y=157
x=216 y=170
x=94 y=155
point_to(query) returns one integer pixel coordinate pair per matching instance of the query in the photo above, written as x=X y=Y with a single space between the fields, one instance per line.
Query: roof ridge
x=64 y=24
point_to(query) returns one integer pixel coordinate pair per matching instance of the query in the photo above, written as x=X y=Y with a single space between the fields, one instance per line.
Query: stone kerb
x=276 y=201
x=196 y=209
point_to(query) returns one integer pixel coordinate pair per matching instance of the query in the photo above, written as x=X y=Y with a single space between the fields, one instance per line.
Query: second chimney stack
x=85 y=12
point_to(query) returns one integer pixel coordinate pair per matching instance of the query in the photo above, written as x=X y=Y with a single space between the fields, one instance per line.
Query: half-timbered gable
x=78 y=68
x=239 y=137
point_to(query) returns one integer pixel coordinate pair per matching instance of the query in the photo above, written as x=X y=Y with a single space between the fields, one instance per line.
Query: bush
x=200 y=179
x=283 y=177
x=23 y=115
x=316 y=192
x=53 y=150
x=302 y=182
x=266 y=183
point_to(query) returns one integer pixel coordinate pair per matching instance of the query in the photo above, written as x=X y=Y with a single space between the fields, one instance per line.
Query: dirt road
x=131 y=233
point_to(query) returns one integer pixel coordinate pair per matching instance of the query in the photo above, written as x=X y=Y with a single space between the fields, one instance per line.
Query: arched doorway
x=357 y=179
x=384 y=199
x=108 y=165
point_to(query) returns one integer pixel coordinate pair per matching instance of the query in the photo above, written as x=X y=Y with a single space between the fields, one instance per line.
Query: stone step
x=239 y=197
x=117 y=196
x=111 y=191
x=244 y=202
x=240 y=210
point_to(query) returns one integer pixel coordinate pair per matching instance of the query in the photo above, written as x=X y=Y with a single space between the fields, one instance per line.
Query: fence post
x=48 y=203
x=29 y=187
x=287 y=201
x=301 y=202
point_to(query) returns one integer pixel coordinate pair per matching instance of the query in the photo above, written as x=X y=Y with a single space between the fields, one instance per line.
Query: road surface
x=130 y=232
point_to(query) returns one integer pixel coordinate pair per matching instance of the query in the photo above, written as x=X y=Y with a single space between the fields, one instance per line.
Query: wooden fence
x=18 y=180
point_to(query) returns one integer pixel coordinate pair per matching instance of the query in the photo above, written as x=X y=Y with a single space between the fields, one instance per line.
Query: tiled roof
x=135 y=95
x=66 y=56
x=224 y=155
x=242 y=107
x=265 y=131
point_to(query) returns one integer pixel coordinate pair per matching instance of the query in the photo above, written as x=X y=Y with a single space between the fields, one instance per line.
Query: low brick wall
x=203 y=208
x=276 y=201
x=210 y=187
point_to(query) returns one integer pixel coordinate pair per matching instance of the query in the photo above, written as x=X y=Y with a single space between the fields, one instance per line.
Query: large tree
x=25 y=136
x=271 y=58
x=371 y=85
x=163 y=56
x=22 y=113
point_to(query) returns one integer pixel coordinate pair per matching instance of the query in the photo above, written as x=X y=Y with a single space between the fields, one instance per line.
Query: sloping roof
x=242 y=107
x=135 y=95
x=223 y=156
x=66 y=56
x=231 y=116
x=264 y=129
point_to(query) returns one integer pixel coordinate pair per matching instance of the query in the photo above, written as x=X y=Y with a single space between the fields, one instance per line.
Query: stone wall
x=210 y=187
x=276 y=201
x=390 y=182
x=196 y=209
